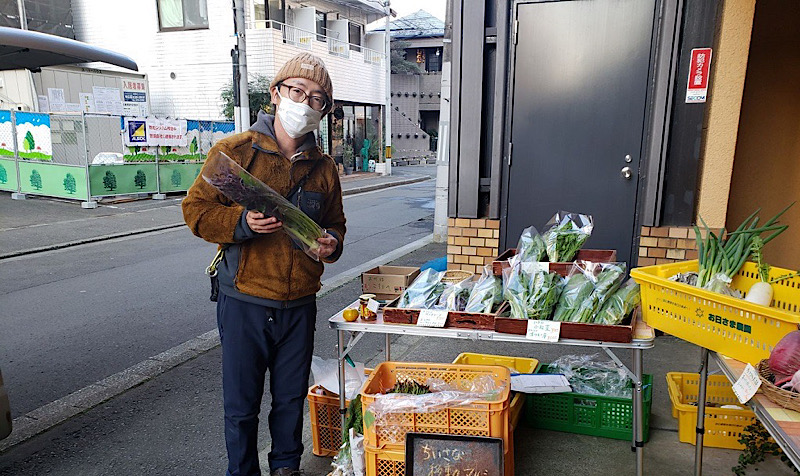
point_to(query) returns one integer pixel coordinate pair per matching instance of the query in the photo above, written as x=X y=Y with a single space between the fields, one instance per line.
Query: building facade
x=184 y=47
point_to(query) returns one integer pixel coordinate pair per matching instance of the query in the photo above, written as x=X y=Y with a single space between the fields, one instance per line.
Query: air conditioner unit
x=22 y=107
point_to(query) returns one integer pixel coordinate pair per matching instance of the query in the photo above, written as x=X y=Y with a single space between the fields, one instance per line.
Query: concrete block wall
x=407 y=147
x=667 y=244
x=472 y=243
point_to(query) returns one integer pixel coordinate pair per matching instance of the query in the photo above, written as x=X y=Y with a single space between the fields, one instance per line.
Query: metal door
x=579 y=106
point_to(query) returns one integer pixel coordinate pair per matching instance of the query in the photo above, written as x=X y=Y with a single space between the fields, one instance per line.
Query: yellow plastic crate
x=724 y=324
x=521 y=365
x=479 y=418
x=393 y=462
x=723 y=425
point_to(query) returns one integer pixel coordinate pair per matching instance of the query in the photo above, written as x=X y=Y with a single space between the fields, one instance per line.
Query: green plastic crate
x=609 y=417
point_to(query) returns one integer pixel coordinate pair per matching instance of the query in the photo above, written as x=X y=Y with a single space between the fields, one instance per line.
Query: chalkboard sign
x=453 y=455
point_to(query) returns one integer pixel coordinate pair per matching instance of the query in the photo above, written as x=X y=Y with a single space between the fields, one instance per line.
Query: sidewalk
x=39 y=223
x=172 y=424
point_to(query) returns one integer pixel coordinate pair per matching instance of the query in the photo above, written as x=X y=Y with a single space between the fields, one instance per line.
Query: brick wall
x=472 y=243
x=660 y=245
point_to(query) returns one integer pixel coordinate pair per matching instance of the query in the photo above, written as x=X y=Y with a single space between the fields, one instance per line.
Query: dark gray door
x=579 y=100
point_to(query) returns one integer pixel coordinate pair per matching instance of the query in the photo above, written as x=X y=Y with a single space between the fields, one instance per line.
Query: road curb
x=69 y=244
x=47 y=416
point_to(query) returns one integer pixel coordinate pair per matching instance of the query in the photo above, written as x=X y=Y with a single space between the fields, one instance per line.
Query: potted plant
x=348 y=157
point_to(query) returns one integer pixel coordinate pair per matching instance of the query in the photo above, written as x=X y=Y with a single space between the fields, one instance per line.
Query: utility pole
x=443 y=148
x=241 y=114
x=387 y=168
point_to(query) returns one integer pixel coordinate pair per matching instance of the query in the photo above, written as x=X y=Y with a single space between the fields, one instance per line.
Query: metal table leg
x=638 y=412
x=701 y=413
x=342 y=398
x=388 y=347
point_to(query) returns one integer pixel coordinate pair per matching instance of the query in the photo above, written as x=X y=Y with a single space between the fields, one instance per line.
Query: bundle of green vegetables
x=566 y=235
x=487 y=293
x=455 y=296
x=590 y=375
x=606 y=283
x=531 y=291
x=243 y=188
x=531 y=246
x=619 y=305
x=577 y=289
x=424 y=292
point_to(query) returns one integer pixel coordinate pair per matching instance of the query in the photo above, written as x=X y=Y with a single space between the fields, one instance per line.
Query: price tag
x=373 y=305
x=535 y=267
x=432 y=318
x=747 y=385
x=546 y=331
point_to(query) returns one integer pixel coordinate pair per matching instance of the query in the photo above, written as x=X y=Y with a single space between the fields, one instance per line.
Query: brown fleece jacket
x=270 y=266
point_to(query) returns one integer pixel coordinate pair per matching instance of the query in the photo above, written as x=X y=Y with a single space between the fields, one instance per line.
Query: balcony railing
x=304 y=39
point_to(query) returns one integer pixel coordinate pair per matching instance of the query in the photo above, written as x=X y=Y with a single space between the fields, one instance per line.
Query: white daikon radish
x=760 y=293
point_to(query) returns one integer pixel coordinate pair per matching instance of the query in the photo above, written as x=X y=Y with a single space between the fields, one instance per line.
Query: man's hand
x=327 y=245
x=260 y=224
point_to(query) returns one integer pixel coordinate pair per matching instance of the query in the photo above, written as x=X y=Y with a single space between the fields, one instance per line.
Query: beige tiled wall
x=660 y=245
x=472 y=243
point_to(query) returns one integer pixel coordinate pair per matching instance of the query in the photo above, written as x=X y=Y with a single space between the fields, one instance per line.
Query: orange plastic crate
x=326 y=424
x=486 y=418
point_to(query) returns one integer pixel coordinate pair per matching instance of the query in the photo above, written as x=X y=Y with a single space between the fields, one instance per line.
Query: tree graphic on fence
x=28 y=143
x=193 y=146
x=110 y=181
x=69 y=184
x=3 y=175
x=140 y=180
x=176 y=178
x=36 y=180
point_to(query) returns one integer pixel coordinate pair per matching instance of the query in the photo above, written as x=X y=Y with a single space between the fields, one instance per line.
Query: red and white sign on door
x=697 y=88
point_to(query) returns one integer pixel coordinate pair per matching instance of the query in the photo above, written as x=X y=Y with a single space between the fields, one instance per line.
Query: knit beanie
x=308 y=66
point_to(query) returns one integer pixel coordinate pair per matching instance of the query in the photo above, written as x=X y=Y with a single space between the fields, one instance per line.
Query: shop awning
x=23 y=49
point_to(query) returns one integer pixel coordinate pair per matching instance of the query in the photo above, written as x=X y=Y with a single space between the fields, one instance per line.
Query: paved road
x=74 y=316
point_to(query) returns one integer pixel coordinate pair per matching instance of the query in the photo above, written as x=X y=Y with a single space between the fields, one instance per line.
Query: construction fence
x=88 y=156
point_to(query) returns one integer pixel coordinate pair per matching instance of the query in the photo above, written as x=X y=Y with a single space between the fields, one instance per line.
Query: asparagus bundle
x=243 y=188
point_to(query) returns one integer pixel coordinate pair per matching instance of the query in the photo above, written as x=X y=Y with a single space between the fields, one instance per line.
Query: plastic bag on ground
x=566 y=234
x=357 y=453
x=326 y=375
x=590 y=375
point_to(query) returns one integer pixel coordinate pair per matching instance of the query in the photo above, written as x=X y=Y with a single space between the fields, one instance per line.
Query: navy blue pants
x=256 y=339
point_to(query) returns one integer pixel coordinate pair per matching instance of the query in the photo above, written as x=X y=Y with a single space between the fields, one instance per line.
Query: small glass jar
x=365 y=313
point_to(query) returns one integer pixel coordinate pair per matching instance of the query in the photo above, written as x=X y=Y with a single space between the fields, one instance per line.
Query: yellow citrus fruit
x=350 y=315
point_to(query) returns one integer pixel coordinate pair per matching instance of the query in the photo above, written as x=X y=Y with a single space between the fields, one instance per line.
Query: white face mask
x=297 y=118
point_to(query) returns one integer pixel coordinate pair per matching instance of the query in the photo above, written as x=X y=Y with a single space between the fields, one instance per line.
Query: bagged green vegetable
x=606 y=277
x=455 y=296
x=486 y=294
x=243 y=188
x=531 y=290
x=515 y=290
x=531 y=246
x=576 y=289
x=566 y=234
x=620 y=304
x=589 y=375
x=424 y=292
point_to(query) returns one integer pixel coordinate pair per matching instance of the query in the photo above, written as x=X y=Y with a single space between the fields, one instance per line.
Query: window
x=355 y=37
x=276 y=10
x=322 y=23
x=434 y=58
x=182 y=15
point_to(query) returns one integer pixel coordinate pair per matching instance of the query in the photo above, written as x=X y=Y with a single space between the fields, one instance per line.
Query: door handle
x=626 y=173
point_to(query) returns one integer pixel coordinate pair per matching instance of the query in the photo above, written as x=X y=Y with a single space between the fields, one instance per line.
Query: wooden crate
x=459 y=319
x=576 y=330
x=597 y=256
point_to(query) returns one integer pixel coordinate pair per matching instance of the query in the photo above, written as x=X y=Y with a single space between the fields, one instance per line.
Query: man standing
x=266 y=310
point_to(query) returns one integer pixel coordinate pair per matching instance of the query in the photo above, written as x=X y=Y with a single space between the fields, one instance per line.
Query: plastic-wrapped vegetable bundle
x=531 y=291
x=607 y=278
x=566 y=235
x=515 y=290
x=424 y=292
x=531 y=246
x=589 y=375
x=486 y=294
x=620 y=304
x=455 y=296
x=545 y=289
x=577 y=288
x=243 y=188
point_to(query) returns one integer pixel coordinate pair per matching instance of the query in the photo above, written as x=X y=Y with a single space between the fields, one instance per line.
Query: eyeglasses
x=318 y=103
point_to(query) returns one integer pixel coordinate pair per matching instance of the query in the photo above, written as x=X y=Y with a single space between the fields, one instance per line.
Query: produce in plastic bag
x=607 y=278
x=620 y=304
x=531 y=246
x=243 y=188
x=566 y=235
x=721 y=283
x=531 y=290
x=486 y=294
x=589 y=375
x=455 y=296
x=424 y=292
x=577 y=288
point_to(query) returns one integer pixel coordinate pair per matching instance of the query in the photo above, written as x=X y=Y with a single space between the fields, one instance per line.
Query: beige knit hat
x=308 y=66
